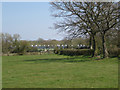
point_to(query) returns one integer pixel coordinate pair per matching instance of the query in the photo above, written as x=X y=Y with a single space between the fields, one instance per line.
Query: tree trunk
x=105 y=52
x=90 y=43
x=8 y=53
x=94 y=45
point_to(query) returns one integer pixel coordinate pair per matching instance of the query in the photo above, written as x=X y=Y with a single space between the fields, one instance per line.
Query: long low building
x=59 y=46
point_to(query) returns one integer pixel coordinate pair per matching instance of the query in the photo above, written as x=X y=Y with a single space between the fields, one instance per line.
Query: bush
x=114 y=52
x=73 y=52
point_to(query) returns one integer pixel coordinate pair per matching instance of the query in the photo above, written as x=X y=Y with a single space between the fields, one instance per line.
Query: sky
x=31 y=20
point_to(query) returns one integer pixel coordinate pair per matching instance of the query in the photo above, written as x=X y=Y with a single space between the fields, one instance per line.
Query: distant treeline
x=13 y=44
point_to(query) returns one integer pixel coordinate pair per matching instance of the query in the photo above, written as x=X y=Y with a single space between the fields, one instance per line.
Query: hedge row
x=73 y=52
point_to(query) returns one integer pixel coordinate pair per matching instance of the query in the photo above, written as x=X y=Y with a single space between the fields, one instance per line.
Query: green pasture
x=57 y=71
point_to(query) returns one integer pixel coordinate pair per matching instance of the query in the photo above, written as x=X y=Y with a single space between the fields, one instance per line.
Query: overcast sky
x=30 y=20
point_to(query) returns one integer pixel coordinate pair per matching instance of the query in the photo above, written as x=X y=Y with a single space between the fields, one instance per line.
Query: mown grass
x=57 y=71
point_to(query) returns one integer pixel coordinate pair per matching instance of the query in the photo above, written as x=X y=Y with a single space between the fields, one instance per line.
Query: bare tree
x=107 y=20
x=6 y=40
x=80 y=18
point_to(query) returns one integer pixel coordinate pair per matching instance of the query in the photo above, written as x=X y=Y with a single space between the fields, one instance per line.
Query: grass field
x=57 y=71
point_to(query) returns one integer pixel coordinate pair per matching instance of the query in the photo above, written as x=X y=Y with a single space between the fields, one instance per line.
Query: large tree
x=80 y=18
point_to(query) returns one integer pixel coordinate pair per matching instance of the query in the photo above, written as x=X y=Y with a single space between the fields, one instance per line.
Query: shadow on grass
x=72 y=59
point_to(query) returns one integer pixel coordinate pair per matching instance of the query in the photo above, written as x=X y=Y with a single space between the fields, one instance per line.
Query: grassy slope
x=54 y=71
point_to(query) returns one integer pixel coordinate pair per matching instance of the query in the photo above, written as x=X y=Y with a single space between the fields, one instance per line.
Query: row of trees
x=65 y=41
x=13 y=44
x=98 y=20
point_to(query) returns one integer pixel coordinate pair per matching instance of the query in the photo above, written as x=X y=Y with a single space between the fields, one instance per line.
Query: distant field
x=56 y=71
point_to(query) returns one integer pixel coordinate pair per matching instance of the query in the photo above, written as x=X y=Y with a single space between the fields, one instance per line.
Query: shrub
x=55 y=50
x=114 y=52
x=73 y=52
